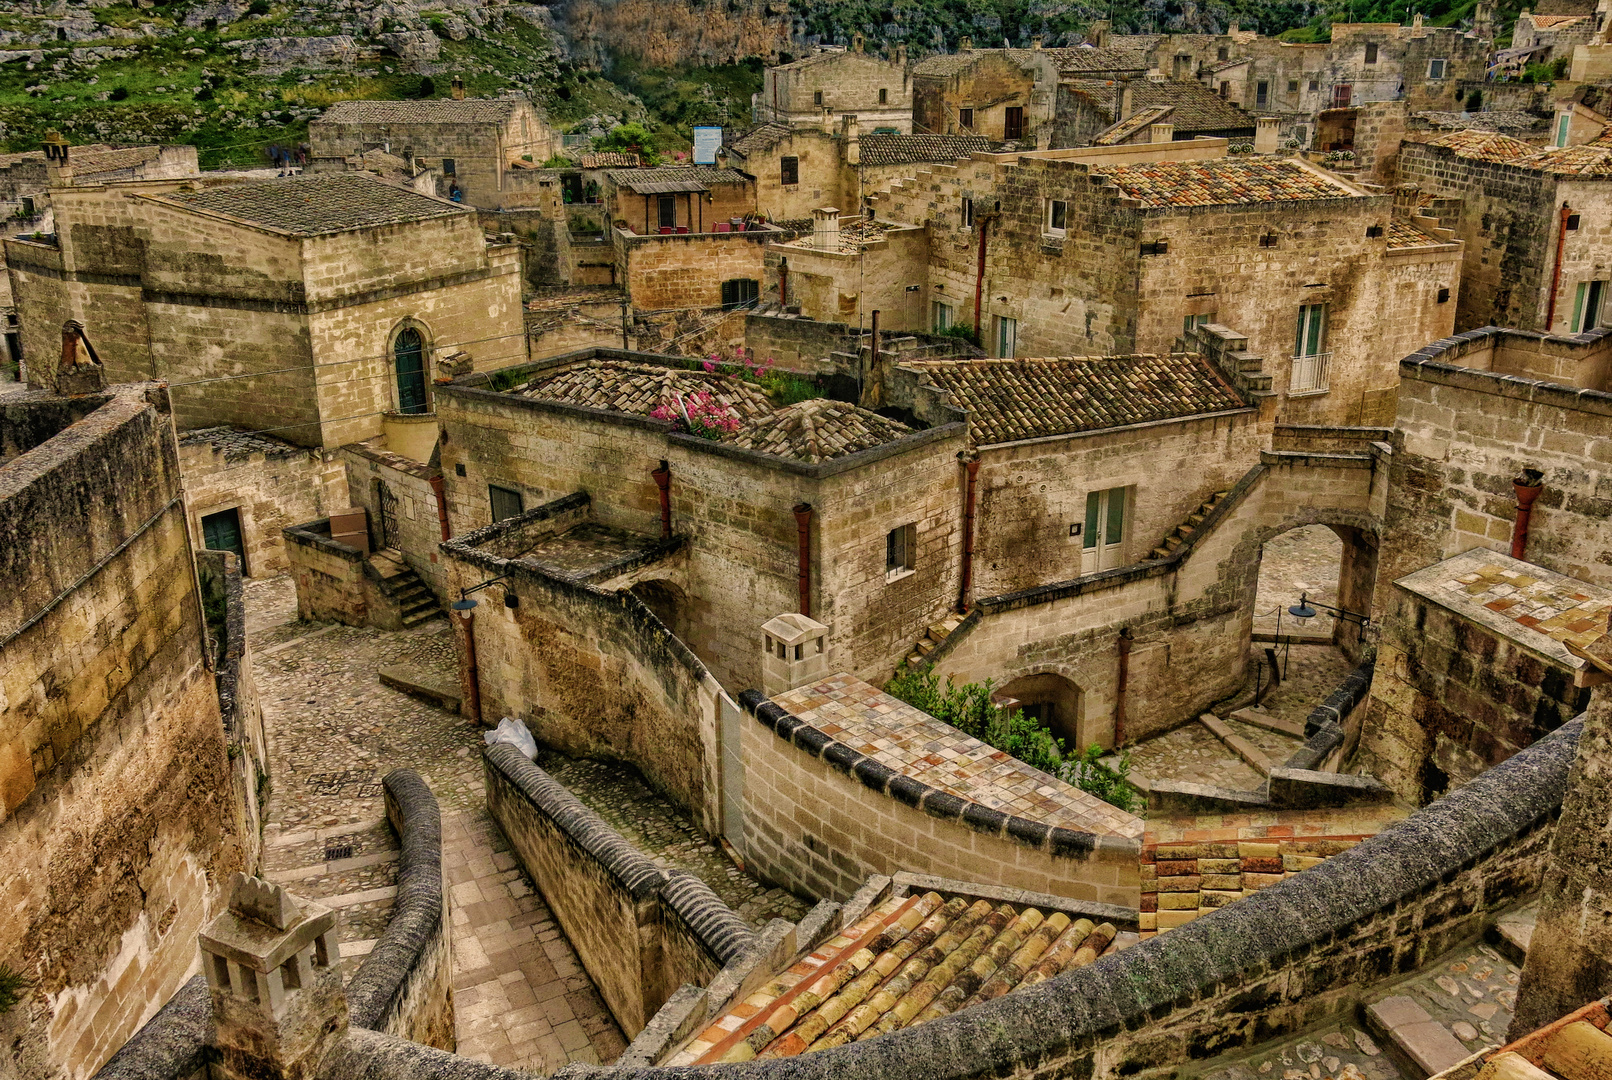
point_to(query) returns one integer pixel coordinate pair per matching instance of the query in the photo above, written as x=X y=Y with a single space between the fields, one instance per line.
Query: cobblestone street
x=334 y=731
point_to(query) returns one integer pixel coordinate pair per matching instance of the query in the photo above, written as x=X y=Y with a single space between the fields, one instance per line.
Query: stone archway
x=1053 y=701
x=668 y=602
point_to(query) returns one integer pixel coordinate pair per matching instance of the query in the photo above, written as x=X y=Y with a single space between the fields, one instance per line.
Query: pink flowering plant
x=699 y=414
x=783 y=387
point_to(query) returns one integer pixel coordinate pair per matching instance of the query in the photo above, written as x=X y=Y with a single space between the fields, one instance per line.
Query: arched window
x=408 y=351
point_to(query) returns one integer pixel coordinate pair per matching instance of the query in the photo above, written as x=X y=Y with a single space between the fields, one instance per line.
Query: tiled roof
x=1132 y=56
x=610 y=159
x=816 y=430
x=645 y=179
x=1402 y=234
x=1008 y=400
x=239 y=444
x=106 y=159
x=1590 y=159
x=1194 y=107
x=1554 y=22
x=1488 y=120
x=909 y=960
x=1224 y=182
x=312 y=205
x=911 y=149
x=630 y=387
x=433 y=111
x=760 y=138
x=1136 y=122
x=1484 y=145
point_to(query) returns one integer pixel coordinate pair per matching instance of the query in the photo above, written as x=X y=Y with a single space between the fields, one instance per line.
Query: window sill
x=1314 y=392
x=1055 y=237
x=892 y=576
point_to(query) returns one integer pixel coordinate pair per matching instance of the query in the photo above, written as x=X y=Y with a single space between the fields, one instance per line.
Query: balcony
x=1310 y=374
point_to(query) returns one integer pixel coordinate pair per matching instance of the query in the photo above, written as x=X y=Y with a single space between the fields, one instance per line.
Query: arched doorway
x=1335 y=566
x=408 y=357
x=1052 y=701
x=669 y=604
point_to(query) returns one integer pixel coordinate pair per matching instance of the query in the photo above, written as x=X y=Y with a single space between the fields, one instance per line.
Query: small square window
x=459 y=468
x=1292 y=86
x=449 y=168
x=1057 y=217
x=1371 y=52
x=965 y=119
x=1572 y=223
x=817 y=97
x=506 y=502
x=884 y=96
x=1315 y=84
x=1373 y=231
x=1444 y=296
x=900 y=551
x=1223 y=53
x=1436 y=68
x=789 y=170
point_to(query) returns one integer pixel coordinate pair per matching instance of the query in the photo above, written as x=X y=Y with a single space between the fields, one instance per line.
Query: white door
x=1007 y=336
x=1104 y=532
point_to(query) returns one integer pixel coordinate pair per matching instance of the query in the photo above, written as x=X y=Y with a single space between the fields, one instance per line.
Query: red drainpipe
x=469 y=678
x=783 y=282
x=663 y=481
x=437 y=489
x=979 y=278
x=973 y=467
x=1556 y=275
x=1527 y=486
x=1125 y=642
x=803 y=522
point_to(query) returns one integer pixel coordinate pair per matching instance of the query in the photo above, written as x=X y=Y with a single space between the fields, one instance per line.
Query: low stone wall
x=405 y=986
x=329 y=575
x=171 y=1045
x=640 y=931
x=416 y=522
x=1296 y=953
x=820 y=818
x=219 y=574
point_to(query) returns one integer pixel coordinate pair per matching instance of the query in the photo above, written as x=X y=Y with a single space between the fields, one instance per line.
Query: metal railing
x=1310 y=373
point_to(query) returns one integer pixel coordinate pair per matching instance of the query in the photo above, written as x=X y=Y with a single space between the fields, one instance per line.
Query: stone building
x=475 y=143
x=303 y=308
x=130 y=742
x=1128 y=249
x=1541 y=39
x=1105 y=112
x=821 y=90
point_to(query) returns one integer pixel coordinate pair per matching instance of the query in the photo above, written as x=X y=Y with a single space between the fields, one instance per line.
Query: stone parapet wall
x=640 y=931
x=329 y=574
x=416 y=523
x=820 y=817
x=219 y=573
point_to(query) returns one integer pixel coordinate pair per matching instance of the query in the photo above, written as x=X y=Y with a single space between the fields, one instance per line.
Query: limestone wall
x=116 y=812
x=640 y=931
x=268 y=489
x=224 y=608
x=687 y=271
x=330 y=576
x=416 y=520
x=819 y=819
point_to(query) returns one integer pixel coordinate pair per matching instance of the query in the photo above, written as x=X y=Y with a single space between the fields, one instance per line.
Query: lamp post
x=464 y=619
x=1304 y=611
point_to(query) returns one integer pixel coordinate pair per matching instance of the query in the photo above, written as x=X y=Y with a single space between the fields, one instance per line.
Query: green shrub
x=961 y=331
x=12 y=988
x=119 y=93
x=258 y=7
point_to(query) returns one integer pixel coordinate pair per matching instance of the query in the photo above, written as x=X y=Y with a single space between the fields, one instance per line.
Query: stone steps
x=1253 y=755
x=414 y=599
x=1184 y=531
x=932 y=639
x=1262 y=719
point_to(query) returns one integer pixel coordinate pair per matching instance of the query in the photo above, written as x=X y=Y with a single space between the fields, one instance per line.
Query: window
x=1572 y=223
x=506 y=502
x=1007 y=336
x=1373 y=231
x=1223 y=54
x=1190 y=322
x=666 y=211
x=1057 y=217
x=408 y=355
x=1013 y=122
x=965 y=119
x=1315 y=84
x=900 y=552
x=1342 y=94
x=222 y=532
x=817 y=97
x=1155 y=247
x=740 y=293
x=1562 y=123
x=1225 y=90
x=448 y=167
x=1262 y=94
x=968 y=213
x=884 y=96
x=943 y=315
x=789 y=170
x=1444 y=296
x=1587 y=305
x=1371 y=52
x=1292 y=86
x=1309 y=359
x=1103 y=538
x=1435 y=68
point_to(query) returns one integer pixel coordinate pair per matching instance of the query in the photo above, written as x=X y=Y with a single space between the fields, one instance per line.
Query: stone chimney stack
x=795 y=653
x=1232 y=30
x=901 y=54
x=1416 y=24
x=80 y=370
x=857 y=42
x=1483 y=20
x=1036 y=43
x=1127 y=103
x=965 y=44
x=1161 y=133
x=1098 y=33
x=58 y=166
x=826 y=228
x=1267 y=134
x=271 y=965
x=458 y=88
x=853 y=140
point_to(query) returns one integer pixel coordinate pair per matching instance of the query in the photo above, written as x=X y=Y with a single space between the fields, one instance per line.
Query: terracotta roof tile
x=1402 y=234
x=1484 y=145
x=1193 y=106
x=886 y=149
x=760 y=138
x=315 y=205
x=1009 y=400
x=629 y=387
x=1224 y=182
x=610 y=159
x=819 y=429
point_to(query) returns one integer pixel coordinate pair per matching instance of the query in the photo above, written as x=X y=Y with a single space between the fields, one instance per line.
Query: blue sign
x=707 y=141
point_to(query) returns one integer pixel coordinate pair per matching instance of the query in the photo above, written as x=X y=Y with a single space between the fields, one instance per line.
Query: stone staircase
x=1183 y=532
x=1228 y=349
x=932 y=640
x=415 y=601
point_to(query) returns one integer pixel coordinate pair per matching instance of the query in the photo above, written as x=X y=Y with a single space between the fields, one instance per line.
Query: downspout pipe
x=438 y=489
x=1528 y=484
x=663 y=481
x=803 y=523
x=1556 y=274
x=469 y=676
x=979 y=278
x=971 y=467
x=1125 y=643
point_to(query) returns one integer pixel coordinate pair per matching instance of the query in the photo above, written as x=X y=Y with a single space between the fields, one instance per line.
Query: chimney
x=1099 y=33
x=901 y=54
x=1126 y=101
x=58 y=169
x=1161 y=133
x=458 y=90
x=1416 y=23
x=853 y=141
x=965 y=44
x=826 y=228
x=1483 y=20
x=80 y=370
x=408 y=159
x=857 y=42
x=1035 y=43
x=1267 y=134
x=1231 y=31
x=795 y=653
x=271 y=966
x=722 y=158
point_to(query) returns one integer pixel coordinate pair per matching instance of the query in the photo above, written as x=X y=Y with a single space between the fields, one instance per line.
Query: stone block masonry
x=113 y=771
